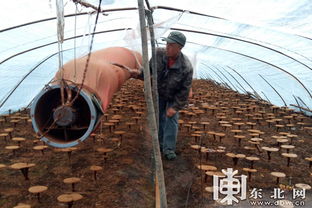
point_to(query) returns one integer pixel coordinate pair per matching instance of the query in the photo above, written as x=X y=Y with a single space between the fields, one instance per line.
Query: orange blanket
x=102 y=77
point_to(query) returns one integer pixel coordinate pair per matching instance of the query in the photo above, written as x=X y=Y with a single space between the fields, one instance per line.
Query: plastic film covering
x=228 y=41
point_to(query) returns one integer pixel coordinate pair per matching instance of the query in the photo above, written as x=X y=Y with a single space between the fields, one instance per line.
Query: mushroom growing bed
x=229 y=130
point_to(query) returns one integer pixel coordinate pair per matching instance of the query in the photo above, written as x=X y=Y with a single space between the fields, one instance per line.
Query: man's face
x=173 y=49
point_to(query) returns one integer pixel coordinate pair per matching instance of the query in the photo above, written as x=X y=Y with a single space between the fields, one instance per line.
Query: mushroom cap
x=210 y=189
x=279 y=137
x=240 y=155
x=287 y=146
x=37 y=189
x=195 y=135
x=239 y=136
x=250 y=170
x=119 y=132
x=256 y=139
x=205 y=122
x=18 y=166
x=40 y=147
x=18 y=139
x=21 y=205
x=12 y=147
x=290 y=155
x=303 y=186
x=249 y=148
x=67 y=149
x=199 y=132
x=195 y=146
x=220 y=134
x=66 y=198
x=2 y=166
x=282 y=140
x=206 y=167
x=104 y=150
x=235 y=155
x=252 y=158
x=8 y=130
x=71 y=180
x=308 y=159
x=236 y=131
x=221 y=147
x=278 y=174
x=270 y=149
x=292 y=135
x=214 y=173
x=253 y=130
x=95 y=168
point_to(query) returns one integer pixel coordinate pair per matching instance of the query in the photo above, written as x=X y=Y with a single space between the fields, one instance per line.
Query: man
x=174 y=81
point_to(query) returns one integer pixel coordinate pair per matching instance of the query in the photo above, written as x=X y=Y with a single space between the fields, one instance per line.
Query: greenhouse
x=80 y=126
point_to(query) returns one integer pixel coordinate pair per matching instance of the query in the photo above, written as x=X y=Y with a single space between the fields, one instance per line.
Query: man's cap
x=176 y=37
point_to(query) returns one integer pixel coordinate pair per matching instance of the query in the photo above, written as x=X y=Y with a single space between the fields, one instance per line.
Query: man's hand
x=171 y=112
x=134 y=73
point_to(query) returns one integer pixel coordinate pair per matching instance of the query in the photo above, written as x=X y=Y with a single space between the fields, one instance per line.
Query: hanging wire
x=89 y=54
x=60 y=40
x=75 y=42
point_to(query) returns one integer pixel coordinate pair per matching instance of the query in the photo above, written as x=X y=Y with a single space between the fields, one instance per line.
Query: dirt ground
x=126 y=179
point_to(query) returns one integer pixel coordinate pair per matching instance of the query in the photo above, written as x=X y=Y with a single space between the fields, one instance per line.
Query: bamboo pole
x=150 y=108
x=154 y=64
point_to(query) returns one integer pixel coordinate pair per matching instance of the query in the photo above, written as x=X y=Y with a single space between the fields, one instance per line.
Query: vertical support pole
x=154 y=64
x=150 y=108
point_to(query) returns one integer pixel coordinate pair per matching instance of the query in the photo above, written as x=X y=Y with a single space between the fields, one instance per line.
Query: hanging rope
x=89 y=54
x=60 y=40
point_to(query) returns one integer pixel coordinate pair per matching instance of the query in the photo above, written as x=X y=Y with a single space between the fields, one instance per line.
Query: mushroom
x=72 y=181
x=37 y=190
x=235 y=157
x=220 y=135
x=204 y=123
x=120 y=134
x=69 y=151
x=22 y=205
x=287 y=147
x=278 y=175
x=236 y=131
x=303 y=186
x=69 y=198
x=4 y=136
x=196 y=137
x=239 y=138
x=95 y=169
x=23 y=167
x=40 y=148
x=210 y=189
x=110 y=126
x=249 y=171
x=310 y=161
x=213 y=173
x=130 y=124
x=279 y=126
x=9 y=131
x=292 y=136
x=288 y=156
x=104 y=151
x=13 y=148
x=239 y=124
x=269 y=150
x=252 y=159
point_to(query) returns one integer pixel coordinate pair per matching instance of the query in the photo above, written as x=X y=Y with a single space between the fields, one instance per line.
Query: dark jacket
x=174 y=83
